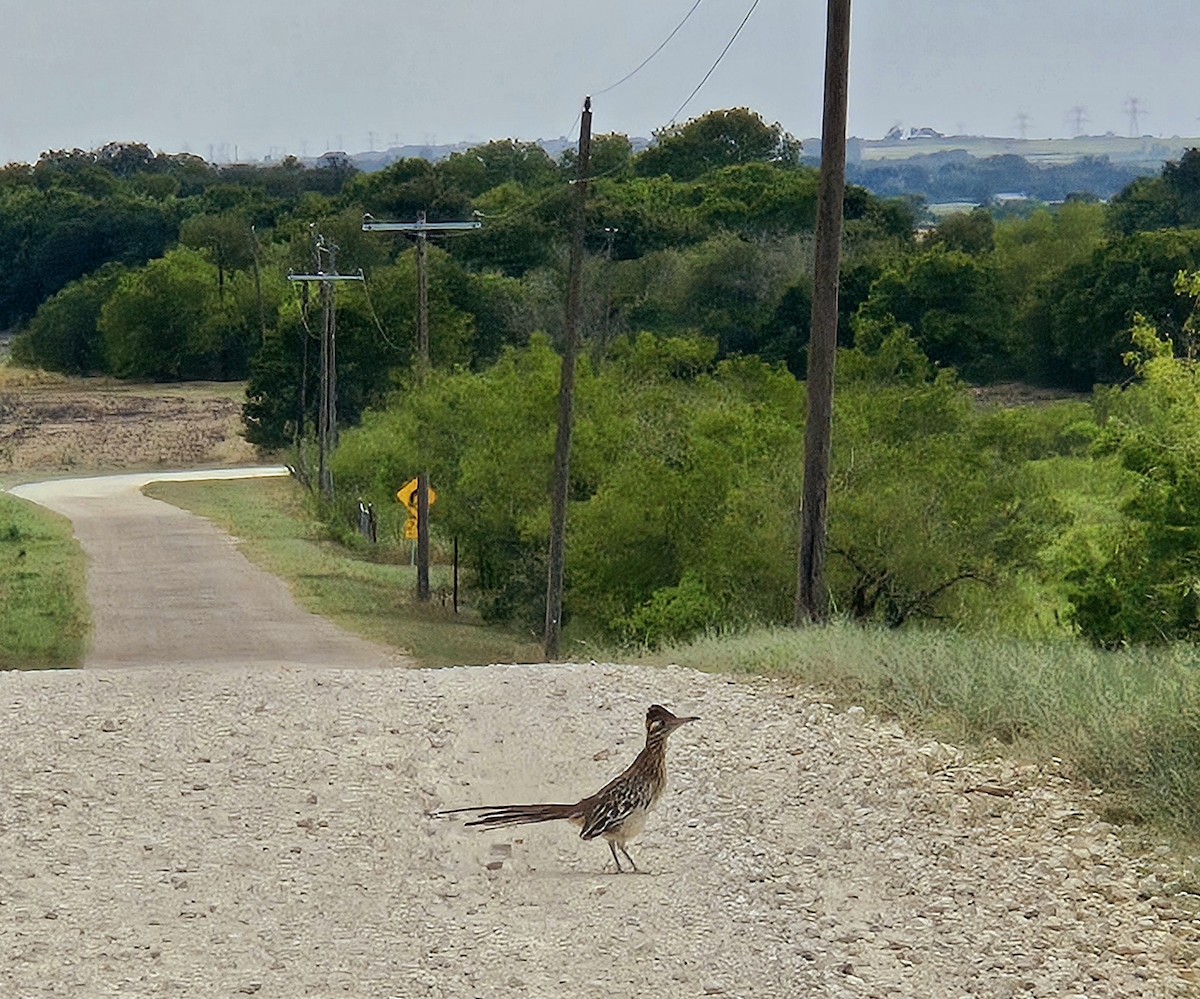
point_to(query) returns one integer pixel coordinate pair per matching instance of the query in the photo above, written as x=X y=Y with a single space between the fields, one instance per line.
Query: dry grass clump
x=1128 y=721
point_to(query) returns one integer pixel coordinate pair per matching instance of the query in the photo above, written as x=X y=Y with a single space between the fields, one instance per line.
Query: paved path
x=167 y=588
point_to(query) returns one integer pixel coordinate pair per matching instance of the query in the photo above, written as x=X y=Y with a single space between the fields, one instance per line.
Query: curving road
x=167 y=588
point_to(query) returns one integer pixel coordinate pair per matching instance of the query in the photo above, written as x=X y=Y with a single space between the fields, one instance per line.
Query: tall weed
x=1126 y=721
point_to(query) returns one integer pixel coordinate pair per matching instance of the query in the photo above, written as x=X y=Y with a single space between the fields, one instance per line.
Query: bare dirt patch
x=1009 y=395
x=85 y=425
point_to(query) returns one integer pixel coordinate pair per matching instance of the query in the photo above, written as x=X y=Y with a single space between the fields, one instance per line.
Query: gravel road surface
x=202 y=825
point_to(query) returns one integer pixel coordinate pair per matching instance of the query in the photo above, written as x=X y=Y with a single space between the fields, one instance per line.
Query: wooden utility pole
x=812 y=598
x=327 y=416
x=327 y=400
x=420 y=229
x=423 y=591
x=566 y=396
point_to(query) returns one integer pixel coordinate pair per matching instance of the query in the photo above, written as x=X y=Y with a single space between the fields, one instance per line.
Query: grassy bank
x=368 y=591
x=44 y=622
x=1128 y=722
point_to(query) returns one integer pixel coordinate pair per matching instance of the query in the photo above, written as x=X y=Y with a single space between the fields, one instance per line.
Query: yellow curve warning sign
x=407 y=495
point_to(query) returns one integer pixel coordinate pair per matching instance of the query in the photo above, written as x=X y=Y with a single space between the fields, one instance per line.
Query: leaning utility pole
x=421 y=229
x=327 y=404
x=812 y=598
x=566 y=396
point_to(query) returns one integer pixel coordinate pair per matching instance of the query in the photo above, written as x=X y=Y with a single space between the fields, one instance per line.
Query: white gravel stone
x=266 y=832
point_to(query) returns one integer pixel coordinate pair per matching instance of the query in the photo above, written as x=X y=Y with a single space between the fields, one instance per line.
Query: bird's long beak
x=683 y=721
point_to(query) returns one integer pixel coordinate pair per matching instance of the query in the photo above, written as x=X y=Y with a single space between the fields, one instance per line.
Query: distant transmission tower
x=1077 y=116
x=1022 y=120
x=1133 y=108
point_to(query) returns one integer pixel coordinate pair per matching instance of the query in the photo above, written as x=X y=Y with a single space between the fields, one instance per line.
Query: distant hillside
x=978 y=169
x=926 y=164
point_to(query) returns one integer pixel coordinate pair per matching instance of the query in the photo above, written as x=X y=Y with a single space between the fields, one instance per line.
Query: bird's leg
x=613 y=848
x=629 y=858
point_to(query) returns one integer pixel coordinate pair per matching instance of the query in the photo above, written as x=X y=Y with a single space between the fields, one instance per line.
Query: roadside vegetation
x=1127 y=722
x=366 y=590
x=45 y=618
x=691 y=408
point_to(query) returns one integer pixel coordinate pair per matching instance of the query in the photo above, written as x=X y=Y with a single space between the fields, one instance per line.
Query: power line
x=374 y=315
x=645 y=61
x=713 y=67
x=640 y=66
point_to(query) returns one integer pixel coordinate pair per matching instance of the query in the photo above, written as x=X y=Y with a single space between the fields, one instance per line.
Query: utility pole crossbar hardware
x=422 y=230
x=419 y=226
x=327 y=406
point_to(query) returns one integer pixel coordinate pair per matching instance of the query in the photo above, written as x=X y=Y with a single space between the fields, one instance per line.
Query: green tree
x=611 y=158
x=58 y=235
x=684 y=483
x=649 y=214
x=1030 y=251
x=1169 y=201
x=471 y=318
x=971 y=232
x=166 y=322
x=717 y=139
x=929 y=508
x=759 y=199
x=64 y=334
x=408 y=186
x=949 y=301
x=227 y=237
x=1145 y=588
x=1080 y=327
x=500 y=162
x=487 y=440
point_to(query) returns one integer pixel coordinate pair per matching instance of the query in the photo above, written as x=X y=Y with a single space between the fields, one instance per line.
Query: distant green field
x=1148 y=151
x=45 y=620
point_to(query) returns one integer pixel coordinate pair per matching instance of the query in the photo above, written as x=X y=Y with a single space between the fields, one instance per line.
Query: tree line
x=697 y=291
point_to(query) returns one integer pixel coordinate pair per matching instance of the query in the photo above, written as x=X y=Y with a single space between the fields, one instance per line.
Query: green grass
x=44 y=622
x=1128 y=722
x=368 y=591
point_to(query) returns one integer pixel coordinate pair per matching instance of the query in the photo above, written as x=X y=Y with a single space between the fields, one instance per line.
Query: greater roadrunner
x=618 y=810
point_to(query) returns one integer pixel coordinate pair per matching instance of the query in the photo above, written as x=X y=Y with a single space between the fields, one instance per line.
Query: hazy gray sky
x=301 y=76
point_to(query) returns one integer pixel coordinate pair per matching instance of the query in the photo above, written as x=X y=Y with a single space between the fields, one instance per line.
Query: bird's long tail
x=494 y=816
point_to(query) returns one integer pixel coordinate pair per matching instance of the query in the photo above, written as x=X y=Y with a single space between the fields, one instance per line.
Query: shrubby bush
x=65 y=333
x=685 y=478
x=1146 y=586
